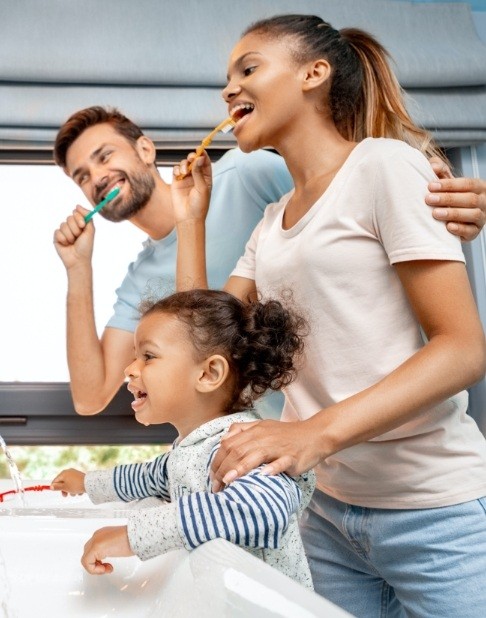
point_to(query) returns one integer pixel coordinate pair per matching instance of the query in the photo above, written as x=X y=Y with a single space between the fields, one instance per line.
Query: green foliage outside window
x=45 y=462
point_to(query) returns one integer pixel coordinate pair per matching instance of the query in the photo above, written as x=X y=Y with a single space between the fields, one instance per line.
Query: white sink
x=41 y=575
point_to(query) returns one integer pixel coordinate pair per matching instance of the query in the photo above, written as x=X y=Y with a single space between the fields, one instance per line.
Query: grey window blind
x=163 y=62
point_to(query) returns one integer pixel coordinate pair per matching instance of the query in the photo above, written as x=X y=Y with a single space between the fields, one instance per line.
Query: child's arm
x=69 y=482
x=254 y=511
x=130 y=482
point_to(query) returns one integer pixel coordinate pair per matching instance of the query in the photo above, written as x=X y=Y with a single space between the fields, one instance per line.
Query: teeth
x=240 y=110
x=110 y=190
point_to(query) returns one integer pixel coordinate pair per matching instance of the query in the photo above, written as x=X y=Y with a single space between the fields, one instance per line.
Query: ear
x=316 y=73
x=146 y=149
x=213 y=374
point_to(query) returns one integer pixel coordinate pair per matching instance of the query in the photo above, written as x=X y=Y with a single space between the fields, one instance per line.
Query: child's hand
x=190 y=195
x=69 y=482
x=111 y=541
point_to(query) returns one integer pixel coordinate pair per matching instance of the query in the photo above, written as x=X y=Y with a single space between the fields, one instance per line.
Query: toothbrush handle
x=204 y=144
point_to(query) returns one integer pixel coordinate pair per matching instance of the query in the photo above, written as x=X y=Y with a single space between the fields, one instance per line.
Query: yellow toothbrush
x=224 y=126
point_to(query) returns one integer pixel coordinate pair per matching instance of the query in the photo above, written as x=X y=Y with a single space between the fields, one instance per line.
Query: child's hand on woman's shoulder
x=69 y=482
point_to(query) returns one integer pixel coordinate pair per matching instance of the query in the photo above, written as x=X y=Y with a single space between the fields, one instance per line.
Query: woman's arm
x=453 y=359
x=190 y=203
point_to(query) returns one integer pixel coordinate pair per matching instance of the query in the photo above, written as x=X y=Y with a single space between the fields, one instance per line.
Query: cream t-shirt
x=337 y=261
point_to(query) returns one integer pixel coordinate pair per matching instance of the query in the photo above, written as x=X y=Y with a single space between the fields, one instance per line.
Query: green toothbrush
x=111 y=195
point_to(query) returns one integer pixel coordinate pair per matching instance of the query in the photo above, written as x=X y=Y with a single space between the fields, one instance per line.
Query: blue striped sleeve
x=142 y=480
x=254 y=511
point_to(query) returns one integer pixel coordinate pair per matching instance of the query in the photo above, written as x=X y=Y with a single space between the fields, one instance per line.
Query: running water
x=14 y=471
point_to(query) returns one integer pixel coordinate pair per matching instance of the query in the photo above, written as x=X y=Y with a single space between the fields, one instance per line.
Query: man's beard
x=142 y=185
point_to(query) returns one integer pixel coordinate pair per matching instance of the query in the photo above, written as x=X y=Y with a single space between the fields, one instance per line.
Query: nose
x=231 y=90
x=132 y=371
x=100 y=178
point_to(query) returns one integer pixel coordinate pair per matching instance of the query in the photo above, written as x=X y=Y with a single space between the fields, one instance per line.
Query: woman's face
x=264 y=92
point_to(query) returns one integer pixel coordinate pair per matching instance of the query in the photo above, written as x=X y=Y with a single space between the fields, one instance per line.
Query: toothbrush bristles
x=228 y=127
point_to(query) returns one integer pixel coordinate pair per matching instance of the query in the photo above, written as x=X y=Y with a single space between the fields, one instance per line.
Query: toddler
x=202 y=358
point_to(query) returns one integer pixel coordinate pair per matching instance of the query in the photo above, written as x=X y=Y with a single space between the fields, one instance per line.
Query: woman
x=398 y=523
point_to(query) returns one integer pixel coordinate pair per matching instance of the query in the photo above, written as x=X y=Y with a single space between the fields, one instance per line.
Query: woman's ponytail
x=380 y=111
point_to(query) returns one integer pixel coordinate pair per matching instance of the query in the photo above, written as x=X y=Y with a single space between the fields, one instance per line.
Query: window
x=35 y=199
x=35 y=403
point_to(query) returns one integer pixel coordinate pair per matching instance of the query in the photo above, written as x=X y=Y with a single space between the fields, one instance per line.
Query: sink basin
x=41 y=575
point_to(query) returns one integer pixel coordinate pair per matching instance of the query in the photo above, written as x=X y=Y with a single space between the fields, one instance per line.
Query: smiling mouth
x=241 y=110
x=139 y=400
x=109 y=189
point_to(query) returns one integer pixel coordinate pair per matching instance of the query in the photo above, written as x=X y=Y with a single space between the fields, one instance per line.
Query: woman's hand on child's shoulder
x=291 y=447
x=69 y=482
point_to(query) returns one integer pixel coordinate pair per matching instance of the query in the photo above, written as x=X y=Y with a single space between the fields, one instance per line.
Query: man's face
x=101 y=159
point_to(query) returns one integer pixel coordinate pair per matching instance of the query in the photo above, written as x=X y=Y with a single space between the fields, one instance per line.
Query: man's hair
x=76 y=124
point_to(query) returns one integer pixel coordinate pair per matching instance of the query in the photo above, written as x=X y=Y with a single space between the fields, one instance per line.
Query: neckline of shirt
x=334 y=185
x=165 y=241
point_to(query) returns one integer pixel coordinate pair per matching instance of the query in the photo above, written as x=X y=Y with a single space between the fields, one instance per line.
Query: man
x=101 y=149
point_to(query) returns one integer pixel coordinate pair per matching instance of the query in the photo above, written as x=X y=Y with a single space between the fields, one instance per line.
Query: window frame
x=42 y=413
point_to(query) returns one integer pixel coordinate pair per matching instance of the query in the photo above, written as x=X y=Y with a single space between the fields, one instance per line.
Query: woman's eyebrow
x=239 y=61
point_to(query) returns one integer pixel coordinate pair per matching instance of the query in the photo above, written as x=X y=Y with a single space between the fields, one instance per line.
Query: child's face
x=263 y=78
x=163 y=375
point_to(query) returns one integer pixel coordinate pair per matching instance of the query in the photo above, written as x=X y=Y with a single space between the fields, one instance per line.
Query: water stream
x=14 y=471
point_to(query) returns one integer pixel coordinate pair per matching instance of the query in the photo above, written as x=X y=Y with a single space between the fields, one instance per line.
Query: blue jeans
x=378 y=563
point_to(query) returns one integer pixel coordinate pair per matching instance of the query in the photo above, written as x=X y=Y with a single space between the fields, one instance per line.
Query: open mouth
x=139 y=400
x=107 y=190
x=241 y=110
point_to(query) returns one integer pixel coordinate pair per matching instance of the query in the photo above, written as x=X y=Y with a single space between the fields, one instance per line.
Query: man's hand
x=293 y=448
x=74 y=239
x=460 y=202
x=69 y=482
x=110 y=541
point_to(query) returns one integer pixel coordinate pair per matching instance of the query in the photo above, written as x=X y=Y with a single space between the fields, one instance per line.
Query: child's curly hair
x=261 y=341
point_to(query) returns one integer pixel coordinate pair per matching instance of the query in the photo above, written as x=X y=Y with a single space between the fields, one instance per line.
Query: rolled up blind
x=163 y=63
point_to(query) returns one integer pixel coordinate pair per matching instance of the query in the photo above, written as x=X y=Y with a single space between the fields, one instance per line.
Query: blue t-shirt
x=243 y=185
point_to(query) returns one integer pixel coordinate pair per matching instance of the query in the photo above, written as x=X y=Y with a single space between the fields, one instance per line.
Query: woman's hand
x=110 y=541
x=190 y=193
x=293 y=448
x=460 y=202
x=69 y=482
